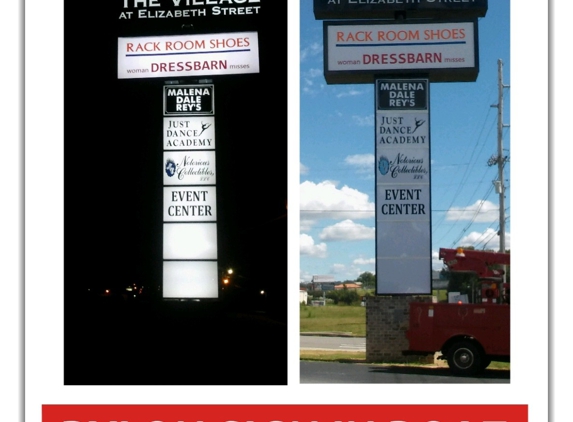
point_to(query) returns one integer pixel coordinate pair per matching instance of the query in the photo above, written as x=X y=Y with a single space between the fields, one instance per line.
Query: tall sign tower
x=401 y=48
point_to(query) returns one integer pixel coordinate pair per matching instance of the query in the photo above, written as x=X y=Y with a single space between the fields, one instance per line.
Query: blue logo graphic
x=383 y=165
x=170 y=168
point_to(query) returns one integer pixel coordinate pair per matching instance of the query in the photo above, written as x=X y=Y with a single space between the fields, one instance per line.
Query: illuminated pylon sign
x=189 y=192
x=403 y=212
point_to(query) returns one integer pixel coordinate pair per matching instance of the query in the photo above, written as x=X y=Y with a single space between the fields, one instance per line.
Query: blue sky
x=337 y=227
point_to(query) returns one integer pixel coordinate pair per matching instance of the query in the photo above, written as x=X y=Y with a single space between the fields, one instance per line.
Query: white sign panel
x=190 y=203
x=402 y=146
x=190 y=268
x=185 y=133
x=403 y=192
x=404 y=239
x=188 y=55
x=196 y=279
x=190 y=241
x=189 y=168
x=405 y=165
x=403 y=202
x=368 y=47
x=407 y=276
x=402 y=129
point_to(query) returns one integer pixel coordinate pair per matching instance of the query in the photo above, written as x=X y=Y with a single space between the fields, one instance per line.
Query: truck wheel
x=464 y=358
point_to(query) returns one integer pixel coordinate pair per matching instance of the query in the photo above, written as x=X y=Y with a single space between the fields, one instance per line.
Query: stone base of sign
x=387 y=320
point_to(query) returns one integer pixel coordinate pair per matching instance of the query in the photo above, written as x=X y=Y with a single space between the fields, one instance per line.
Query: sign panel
x=189 y=241
x=188 y=100
x=188 y=55
x=190 y=244
x=407 y=9
x=189 y=168
x=402 y=129
x=410 y=412
x=185 y=133
x=403 y=276
x=196 y=279
x=402 y=94
x=402 y=202
x=193 y=203
x=403 y=165
x=358 y=52
x=403 y=190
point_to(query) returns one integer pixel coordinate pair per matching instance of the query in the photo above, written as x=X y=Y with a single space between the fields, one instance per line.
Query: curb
x=329 y=334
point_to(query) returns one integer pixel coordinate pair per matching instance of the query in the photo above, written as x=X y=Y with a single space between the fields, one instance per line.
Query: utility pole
x=500 y=159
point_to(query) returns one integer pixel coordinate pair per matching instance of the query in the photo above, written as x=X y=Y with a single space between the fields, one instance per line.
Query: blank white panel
x=190 y=279
x=404 y=276
x=190 y=241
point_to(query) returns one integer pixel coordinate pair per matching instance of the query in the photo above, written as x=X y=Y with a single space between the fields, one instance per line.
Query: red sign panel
x=285 y=413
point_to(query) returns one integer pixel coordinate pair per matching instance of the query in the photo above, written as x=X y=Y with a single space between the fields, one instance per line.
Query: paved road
x=352 y=373
x=357 y=344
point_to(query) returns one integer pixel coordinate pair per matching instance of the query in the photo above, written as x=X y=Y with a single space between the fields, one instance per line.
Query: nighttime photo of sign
x=176 y=89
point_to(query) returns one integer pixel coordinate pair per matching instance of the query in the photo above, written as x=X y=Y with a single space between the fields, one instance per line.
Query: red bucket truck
x=472 y=330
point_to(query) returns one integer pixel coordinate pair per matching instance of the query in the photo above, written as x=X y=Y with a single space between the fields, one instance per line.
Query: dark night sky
x=113 y=161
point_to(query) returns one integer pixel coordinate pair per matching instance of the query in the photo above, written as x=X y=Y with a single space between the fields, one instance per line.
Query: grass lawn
x=333 y=356
x=343 y=319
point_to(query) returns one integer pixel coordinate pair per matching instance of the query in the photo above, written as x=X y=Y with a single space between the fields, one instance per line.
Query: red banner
x=284 y=413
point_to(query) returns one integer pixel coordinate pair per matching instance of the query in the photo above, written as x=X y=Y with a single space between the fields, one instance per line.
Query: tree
x=344 y=295
x=367 y=279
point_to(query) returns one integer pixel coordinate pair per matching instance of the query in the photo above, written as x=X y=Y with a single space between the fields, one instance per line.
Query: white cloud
x=314 y=73
x=306 y=224
x=364 y=120
x=338 y=268
x=305 y=277
x=303 y=169
x=364 y=163
x=480 y=212
x=437 y=263
x=311 y=81
x=343 y=272
x=312 y=50
x=347 y=230
x=307 y=247
x=349 y=93
x=364 y=261
x=325 y=200
x=486 y=240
